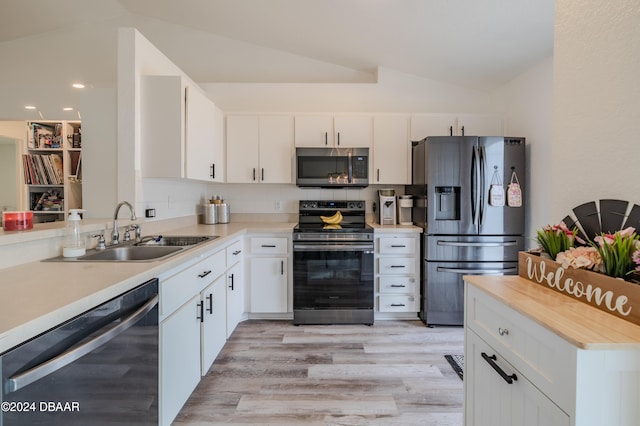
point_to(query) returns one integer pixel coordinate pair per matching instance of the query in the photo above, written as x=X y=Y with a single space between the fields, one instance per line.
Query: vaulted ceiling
x=478 y=44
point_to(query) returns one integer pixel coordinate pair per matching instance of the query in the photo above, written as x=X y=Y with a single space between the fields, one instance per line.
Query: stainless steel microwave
x=332 y=167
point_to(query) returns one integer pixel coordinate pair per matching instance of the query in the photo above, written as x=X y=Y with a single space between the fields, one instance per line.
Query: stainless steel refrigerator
x=468 y=228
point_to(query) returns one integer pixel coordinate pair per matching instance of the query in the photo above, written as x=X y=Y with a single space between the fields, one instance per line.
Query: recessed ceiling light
x=78 y=85
x=67 y=109
x=29 y=107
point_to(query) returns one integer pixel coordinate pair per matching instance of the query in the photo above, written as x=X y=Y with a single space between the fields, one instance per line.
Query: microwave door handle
x=25 y=378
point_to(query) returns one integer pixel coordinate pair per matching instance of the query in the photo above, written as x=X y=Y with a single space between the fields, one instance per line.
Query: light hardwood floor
x=275 y=373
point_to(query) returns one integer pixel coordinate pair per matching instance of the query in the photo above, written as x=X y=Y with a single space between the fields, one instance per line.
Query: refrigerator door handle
x=482 y=190
x=474 y=186
x=477 y=271
x=475 y=244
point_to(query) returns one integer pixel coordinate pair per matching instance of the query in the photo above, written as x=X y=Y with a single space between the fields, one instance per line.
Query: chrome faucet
x=115 y=236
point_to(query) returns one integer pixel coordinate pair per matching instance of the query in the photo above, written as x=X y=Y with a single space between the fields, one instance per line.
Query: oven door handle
x=477 y=271
x=367 y=248
x=25 y=378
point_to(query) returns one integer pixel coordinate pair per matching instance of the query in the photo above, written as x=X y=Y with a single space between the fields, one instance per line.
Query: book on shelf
x=51 y=200
x=43 y=169
x=45 y=135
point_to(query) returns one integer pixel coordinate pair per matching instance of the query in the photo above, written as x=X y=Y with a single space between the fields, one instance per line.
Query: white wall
x=527 y=104
x=596 y=86
x=12 y=146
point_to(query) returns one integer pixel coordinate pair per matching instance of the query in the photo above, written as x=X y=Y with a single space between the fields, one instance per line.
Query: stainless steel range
x=332 y=265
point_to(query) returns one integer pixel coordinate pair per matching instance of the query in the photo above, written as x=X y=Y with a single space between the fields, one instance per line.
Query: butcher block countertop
x=582 y=325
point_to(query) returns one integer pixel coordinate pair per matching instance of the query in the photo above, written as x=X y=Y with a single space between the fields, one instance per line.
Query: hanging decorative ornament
x=496 y=191
x=514 y=192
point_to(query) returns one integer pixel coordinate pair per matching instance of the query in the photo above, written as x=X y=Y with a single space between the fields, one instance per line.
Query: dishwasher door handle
x=25 y=378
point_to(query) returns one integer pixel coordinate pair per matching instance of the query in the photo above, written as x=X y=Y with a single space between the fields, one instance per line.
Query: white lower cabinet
x=179 y=359
x=269 y=273
x=511 y=400
x=269 y=285
x=213 y=322
x=397 y=274
x=235 y=297
x=519 y=372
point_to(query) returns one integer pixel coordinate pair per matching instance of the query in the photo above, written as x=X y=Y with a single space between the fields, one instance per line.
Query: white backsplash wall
x=174 y=198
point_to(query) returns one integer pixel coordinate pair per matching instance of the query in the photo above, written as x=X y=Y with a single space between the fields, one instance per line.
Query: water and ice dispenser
x=447 y=202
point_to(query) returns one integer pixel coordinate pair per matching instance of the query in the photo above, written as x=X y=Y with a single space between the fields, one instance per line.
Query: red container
x=17 y=221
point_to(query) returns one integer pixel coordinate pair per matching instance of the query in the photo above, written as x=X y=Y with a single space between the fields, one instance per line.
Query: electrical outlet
x=278 y=205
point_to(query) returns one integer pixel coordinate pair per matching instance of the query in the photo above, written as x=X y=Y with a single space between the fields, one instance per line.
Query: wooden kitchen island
x=536 y=357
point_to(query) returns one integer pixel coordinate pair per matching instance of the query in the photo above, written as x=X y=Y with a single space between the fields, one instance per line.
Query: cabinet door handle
x=398 y=246
x=326 y=138
x=398 y=285
x=338 y=138
x=398 y=304
x=231 y=280
x=210 y=300
x=492 y=362
x=397 y=266
x=268 y=245
x=450 y=130
x=378 y=175
x=200 y=314
x=462 y=129
x=254 y=174
x=213 y=171
x=204 y=274
x=262 y=174
x=237 y=252
x=282 y=267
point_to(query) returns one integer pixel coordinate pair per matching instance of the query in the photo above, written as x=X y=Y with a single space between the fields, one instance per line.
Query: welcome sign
x=612 y=295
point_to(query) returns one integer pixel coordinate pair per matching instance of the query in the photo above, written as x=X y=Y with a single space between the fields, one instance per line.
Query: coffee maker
x=387 y=206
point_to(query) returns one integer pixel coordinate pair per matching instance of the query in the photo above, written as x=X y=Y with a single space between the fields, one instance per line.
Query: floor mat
x=457 y=363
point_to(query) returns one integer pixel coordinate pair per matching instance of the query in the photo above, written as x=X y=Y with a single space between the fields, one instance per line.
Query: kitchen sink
x=157 y=248
x=131 y=254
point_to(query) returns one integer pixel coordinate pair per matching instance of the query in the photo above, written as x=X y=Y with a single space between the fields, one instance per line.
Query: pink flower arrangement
x=619 y=252
x=557 y=238
x=580 y=257
x=636 y=259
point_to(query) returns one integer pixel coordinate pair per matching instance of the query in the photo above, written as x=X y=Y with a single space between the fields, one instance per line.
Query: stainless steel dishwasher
x=98 y=368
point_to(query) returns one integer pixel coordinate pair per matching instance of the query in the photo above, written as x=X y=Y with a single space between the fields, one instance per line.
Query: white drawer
x=397 y=265
x=541 y=355
x=179 y=288
x=268 y=245
x=398 y=284
x=402 y=245
x=397 y=303
x=234 y=253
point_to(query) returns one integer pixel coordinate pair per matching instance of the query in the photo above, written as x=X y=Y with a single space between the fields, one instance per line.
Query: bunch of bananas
x=332 y=220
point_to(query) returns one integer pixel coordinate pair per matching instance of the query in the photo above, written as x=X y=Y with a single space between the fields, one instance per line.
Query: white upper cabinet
x=391 y=150
x=259 y=148
x=423 y=125
x=345 y=131
x=178 y=129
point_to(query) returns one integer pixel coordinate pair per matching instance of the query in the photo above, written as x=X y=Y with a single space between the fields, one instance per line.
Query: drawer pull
x=398 y=304
x=398 y=285
x=396 y=266
x=492 y=362
x=398 y=246
x=231 y=281
x=503 y=331
x=204 y=274
x=237 y=252
x=268 y=245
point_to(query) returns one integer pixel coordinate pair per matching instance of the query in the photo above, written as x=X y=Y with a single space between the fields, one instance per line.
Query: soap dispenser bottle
x=73 y=245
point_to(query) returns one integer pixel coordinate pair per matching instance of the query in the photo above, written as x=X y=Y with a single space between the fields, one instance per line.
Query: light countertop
x=582 y=325
x=39 y=295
